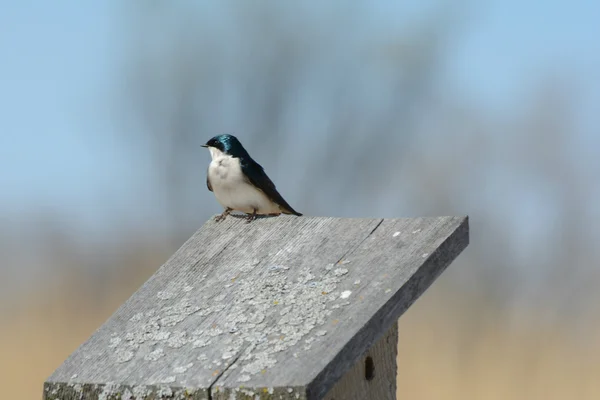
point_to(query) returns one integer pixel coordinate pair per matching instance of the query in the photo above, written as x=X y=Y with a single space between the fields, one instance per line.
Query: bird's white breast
x=231 y=188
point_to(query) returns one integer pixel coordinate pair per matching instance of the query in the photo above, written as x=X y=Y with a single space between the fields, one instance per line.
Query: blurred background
x=355 y=109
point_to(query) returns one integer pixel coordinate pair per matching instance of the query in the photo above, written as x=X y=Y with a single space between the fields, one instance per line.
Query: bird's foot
x=223 y=215
x=251 y=217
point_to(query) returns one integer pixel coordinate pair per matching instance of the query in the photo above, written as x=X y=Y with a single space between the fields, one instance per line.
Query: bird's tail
x=290 y=211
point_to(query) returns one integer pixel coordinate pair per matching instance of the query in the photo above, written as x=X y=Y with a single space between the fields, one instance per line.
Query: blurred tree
x=356 y=118
x=323 y=80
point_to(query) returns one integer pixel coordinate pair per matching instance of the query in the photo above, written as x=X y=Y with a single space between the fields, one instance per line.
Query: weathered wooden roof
x=281 y=308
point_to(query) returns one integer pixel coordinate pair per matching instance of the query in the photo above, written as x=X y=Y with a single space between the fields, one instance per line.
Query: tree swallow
x=240 y=183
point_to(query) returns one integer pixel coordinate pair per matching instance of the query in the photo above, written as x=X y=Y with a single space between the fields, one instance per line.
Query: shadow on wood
x=281 y=308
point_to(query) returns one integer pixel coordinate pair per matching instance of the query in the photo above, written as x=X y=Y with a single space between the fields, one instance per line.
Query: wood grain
x=354 y=385
x=280 y=308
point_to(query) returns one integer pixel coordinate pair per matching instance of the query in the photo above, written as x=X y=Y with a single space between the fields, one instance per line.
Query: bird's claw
x=223 y=215
x=251 y=217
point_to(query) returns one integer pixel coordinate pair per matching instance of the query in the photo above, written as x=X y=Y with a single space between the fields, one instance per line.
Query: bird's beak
x=203 y=145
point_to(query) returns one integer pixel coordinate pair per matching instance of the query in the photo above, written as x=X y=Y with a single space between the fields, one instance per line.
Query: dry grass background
x=450 y=346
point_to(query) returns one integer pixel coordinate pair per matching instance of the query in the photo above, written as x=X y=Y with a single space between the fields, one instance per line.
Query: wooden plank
x=279 y=308
x=374 y=379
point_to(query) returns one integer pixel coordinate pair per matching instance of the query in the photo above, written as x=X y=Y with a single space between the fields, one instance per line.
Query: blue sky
x=59 y=60
x=60 y=63
x=509 y=42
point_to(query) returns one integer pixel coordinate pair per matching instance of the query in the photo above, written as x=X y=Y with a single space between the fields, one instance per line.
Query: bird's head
x=225 y=144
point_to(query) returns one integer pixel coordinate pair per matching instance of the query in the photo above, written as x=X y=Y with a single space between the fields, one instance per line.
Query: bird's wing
x=256 y=175
x=208 y=182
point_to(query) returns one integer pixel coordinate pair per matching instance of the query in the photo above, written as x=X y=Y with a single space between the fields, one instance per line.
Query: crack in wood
x=210 y=387
x=360 y=243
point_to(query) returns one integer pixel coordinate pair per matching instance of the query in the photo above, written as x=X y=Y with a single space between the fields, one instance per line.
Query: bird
x=239 y=183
